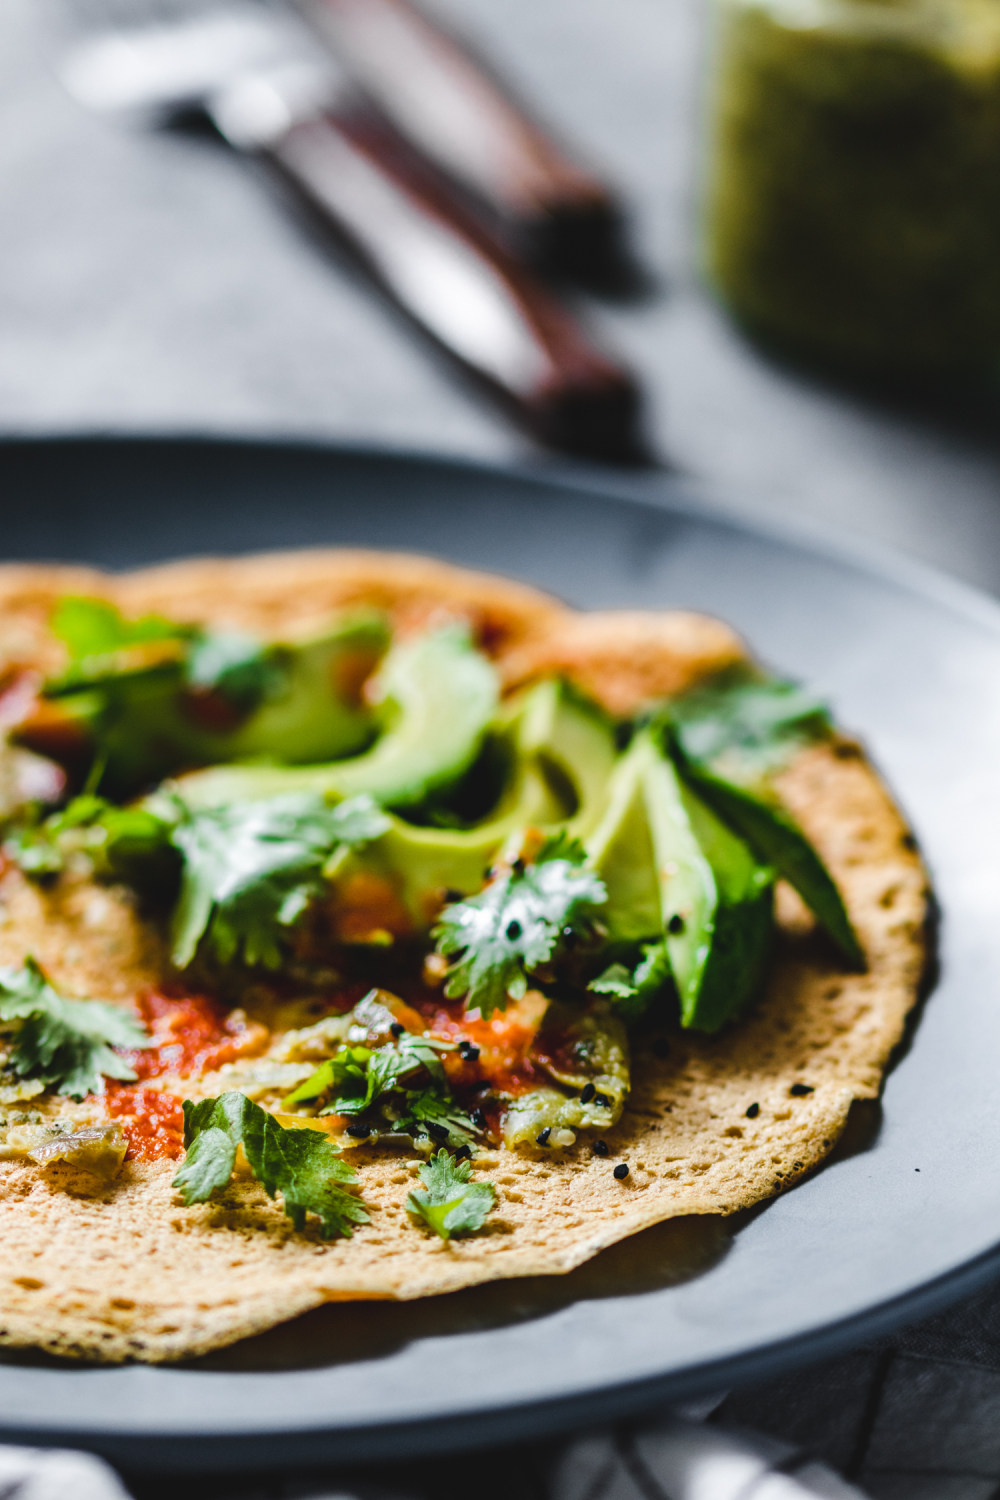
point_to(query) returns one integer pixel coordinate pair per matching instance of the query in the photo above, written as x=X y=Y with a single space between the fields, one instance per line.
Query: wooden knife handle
x=444 y=271
x=554 y=211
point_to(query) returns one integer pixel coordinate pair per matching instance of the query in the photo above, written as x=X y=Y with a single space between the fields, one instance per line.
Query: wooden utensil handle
x=472 y=297
x=447 y=103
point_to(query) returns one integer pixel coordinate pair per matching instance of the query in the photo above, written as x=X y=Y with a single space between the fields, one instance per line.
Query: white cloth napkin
x=56 y=1474
x=670 y=1460
x=684 y=1460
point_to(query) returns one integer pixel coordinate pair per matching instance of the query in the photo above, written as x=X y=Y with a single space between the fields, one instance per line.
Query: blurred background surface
x=147 y=283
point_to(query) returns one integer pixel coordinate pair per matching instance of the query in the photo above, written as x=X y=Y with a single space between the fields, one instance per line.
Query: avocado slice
x=560 y=750
x=153 y=719
x=621 y=851
x=573 y=742
x=317 y=713
x=426 y=864
x=730 y=739
x=441 y=697
x=716 y=900
x=774 y=836
x=436 y=696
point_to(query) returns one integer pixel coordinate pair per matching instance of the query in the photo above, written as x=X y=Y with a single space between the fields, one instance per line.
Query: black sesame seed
x=799 y=1090
x=462 y=1153
x=543 y=1136
x=468 y=1051
x=588 y=1094
x=439 y=1132
x=676 y=924
x=478 y=1119
x=753 y=1111
x=600 y=1148
x=602 y=1101
x=661 y=1047
x=518 y=866
x=359 y=1132
x=621 y=1171
x=483 y=1086
x=568 y=937
x=451 y=896
x=397 y=1028
x=513 y=930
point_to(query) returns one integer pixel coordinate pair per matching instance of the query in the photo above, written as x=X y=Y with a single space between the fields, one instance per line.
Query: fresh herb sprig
x=251 y=869
x=633 y=991
x=247 y=871
x=103 y=646
x=433 y=1112
x=356 y=1079
x=753 y=726
x=98 y=637
x=65 y=1043
x=449 y=1203
x=119 y=840
x=304 y=1166
x=142 y=697
x=524 y=918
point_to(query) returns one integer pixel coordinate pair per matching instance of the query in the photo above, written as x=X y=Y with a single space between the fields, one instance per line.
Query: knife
x=271 y=92
x=552 y=210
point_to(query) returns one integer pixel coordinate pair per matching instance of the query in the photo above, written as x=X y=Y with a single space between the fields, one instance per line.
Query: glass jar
x=853 y=204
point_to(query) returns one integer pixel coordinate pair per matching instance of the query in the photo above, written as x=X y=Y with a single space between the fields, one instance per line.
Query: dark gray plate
x=907 y=1220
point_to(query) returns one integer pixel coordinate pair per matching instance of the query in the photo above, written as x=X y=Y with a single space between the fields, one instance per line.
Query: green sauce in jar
x=854 y=197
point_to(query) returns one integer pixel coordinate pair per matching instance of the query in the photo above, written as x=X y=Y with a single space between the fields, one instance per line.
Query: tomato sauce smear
x=505 y=1044
x=153 y=1121
x=190 y=1034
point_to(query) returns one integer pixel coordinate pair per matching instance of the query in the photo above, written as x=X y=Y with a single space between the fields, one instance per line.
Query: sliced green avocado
x=573 y=742
x=774 y=835
x=730 y=739
x=436 y=694
x=317 y=712
x=716 y=900
x=621 y=851
x=142 y=724
x=560 y=752
x=426 y=863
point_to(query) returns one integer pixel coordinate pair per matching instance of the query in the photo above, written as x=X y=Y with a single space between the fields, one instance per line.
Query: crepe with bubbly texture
x=713 y=1123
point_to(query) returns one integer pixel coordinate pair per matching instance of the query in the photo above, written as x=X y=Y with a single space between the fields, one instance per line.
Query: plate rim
x=662 y=492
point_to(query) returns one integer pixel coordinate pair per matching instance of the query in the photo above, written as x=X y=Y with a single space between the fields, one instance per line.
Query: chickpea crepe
x=373 y=928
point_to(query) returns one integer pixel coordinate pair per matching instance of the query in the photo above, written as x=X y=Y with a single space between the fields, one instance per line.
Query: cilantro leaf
x=251 y=869
x=730 y=739
x=65 y=1042
x=145 y=697
x=346 y=1073
x=355 y=1078
x=632 y=992
x=304 y=1166
x=119 y=839
x=94 y=629
x=241 y=668
x=449 y=1203
x=754 y=725
x=518 y=922
x=381 y=1073
x=433 y=1111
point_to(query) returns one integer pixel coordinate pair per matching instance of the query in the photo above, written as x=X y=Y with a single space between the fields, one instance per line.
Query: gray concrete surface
x=148 y=283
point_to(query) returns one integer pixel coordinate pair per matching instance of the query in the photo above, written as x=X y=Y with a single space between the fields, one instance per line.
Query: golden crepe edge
x=131 y=1273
